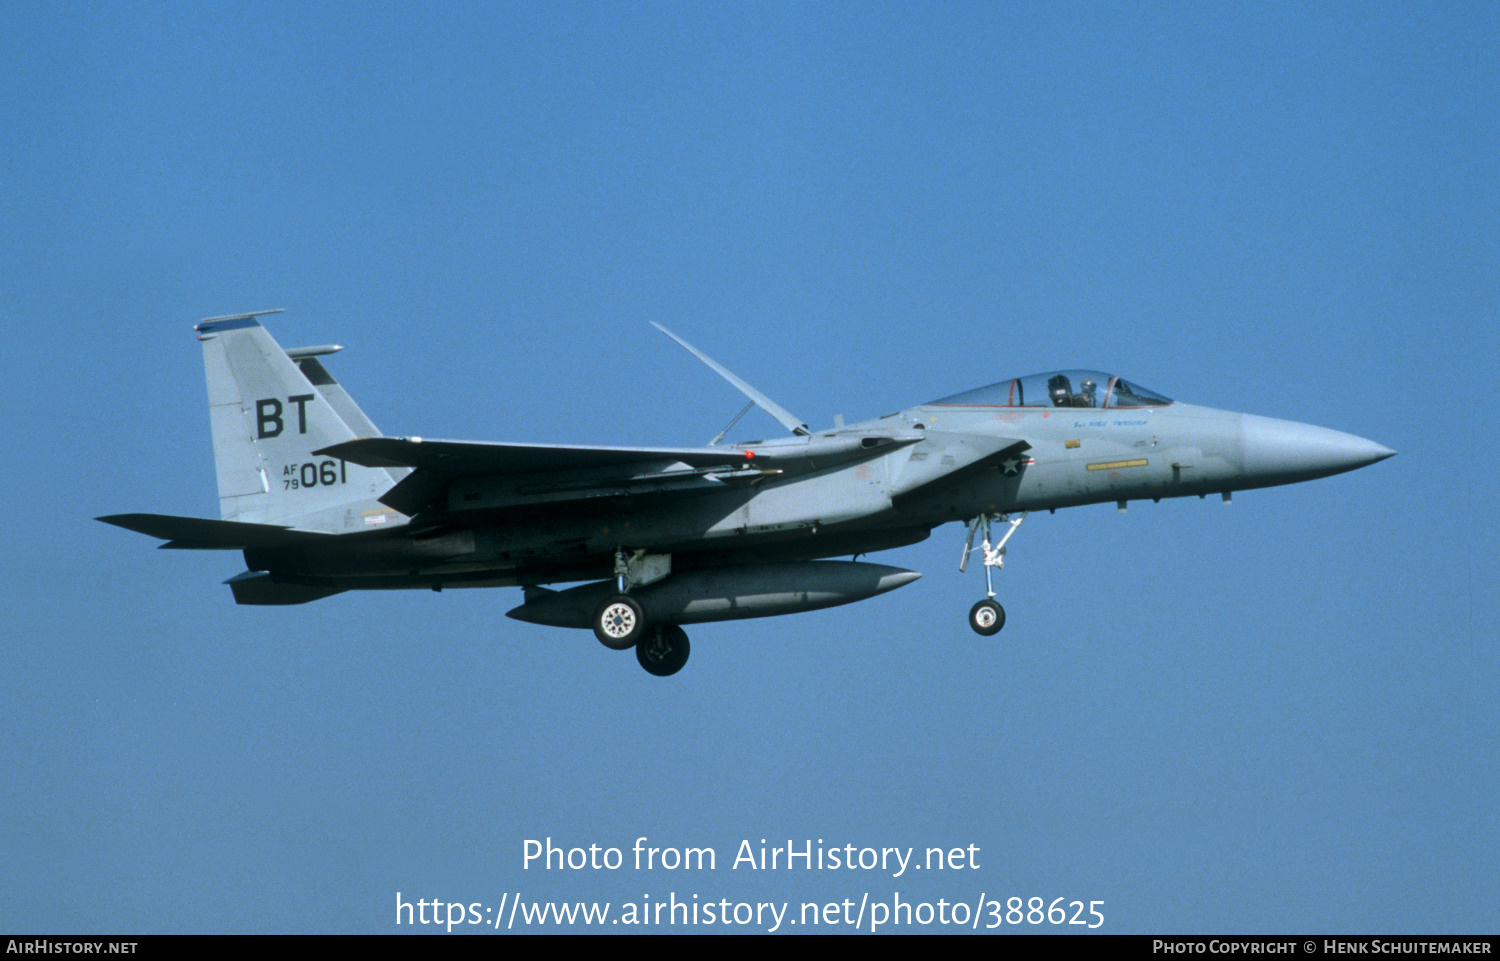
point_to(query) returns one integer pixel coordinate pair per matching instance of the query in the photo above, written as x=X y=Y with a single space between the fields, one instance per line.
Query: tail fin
x=270 y=409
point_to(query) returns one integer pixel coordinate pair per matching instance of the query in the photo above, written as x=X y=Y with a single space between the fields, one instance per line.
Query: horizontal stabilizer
x=201 y=533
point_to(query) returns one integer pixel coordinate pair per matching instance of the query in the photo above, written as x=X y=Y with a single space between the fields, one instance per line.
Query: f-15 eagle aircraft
x=321 y=503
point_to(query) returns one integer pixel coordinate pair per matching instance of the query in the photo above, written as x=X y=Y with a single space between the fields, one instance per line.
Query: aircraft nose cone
x=1280 y=451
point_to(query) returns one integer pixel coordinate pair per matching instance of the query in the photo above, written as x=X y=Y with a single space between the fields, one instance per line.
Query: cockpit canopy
x=1063 y=388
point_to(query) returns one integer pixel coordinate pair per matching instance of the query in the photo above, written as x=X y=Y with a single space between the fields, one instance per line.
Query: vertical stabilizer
x=267 y=418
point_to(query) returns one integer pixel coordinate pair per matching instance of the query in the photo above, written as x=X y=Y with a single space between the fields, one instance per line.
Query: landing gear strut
x=988 y=617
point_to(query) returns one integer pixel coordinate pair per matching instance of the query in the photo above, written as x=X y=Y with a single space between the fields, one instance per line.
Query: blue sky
x=1276 y=716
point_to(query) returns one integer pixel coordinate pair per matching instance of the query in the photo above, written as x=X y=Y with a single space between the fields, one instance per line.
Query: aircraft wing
x=506 y=476
x=471 y=458
x=519 y=475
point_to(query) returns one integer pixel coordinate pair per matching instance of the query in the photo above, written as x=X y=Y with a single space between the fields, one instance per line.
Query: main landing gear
x=663 y=651
x=620 y=624
x=987 y=617
x=620 y=621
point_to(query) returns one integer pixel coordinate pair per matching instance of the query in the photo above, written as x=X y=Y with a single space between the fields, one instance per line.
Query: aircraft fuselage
x=853 y=506
x=320 y=502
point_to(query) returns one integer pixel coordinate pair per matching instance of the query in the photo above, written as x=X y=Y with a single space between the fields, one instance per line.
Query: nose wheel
x=987 y=617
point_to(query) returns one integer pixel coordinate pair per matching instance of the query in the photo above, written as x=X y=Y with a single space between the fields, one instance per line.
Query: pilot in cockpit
x=1085 y=396
x=1061 y=390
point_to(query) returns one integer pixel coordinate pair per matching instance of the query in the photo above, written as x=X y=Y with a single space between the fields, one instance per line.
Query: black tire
x=663 y=652
x=619 y=622
x=987 y=617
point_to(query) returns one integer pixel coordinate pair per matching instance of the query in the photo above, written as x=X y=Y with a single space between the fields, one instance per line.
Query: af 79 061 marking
x=314 y=474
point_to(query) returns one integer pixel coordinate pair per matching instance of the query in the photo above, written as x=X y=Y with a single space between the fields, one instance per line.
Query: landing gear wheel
x=987 y=617
x=619 y=622
x=663 y=652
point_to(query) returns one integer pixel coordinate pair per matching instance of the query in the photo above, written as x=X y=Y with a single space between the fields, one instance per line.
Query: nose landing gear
x=987 y=617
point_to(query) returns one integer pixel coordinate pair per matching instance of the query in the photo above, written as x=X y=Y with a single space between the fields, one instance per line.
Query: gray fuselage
x=863 y=487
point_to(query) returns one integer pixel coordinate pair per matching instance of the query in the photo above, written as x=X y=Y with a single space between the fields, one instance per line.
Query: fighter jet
x=320 y=502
